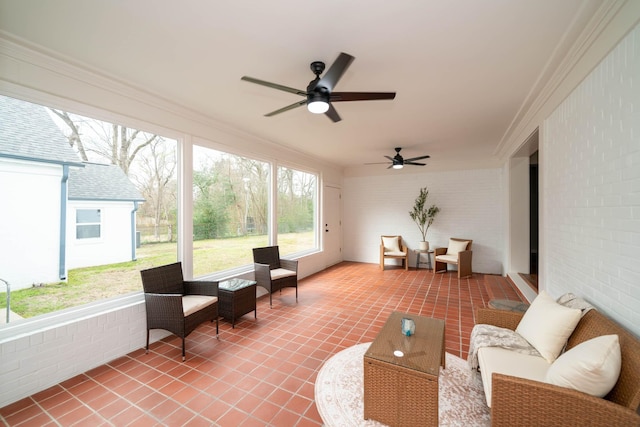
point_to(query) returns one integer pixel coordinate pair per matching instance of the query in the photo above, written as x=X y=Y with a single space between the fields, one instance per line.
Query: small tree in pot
x=423 y=216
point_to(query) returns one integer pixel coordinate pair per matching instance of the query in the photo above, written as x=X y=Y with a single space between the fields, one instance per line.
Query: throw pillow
x=391 y=244
x=456 y=246
x=591 y=367
x=547 y=325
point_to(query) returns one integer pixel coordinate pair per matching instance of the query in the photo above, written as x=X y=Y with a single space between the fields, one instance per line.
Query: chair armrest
x=500 y=318
x=164 y=305
x=464 y=256
x=439 y=251
x=289 y=264
x=201 y=287
x=262 y=273
x=518 y=401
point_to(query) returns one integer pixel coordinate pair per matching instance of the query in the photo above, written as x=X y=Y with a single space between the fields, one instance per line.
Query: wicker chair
x=274 y=273
x=451 y=255
x=392 y=247
x=519 y=401
x=176 y=305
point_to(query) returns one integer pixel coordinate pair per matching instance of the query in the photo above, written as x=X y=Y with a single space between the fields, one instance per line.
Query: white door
x=332 y=226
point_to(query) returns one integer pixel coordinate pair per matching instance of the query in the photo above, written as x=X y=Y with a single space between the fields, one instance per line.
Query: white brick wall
x=470 y=205
x=31 y=361
x=591 y=178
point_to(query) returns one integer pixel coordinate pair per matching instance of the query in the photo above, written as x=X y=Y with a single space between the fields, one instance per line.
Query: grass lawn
x=94 y=283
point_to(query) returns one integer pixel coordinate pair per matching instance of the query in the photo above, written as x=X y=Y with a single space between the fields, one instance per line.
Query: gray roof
x=101 y=182
x=28 y=132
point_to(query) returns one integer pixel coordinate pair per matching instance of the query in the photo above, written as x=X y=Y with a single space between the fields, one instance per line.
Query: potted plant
x=423 y=216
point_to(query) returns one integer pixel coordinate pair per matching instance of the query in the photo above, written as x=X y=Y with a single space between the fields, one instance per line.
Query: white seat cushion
x=547 y=325
x=449 y=259
x=279 y=273
x=193 y=303
x=592 y=367
x=503 y=361
x=394 y=253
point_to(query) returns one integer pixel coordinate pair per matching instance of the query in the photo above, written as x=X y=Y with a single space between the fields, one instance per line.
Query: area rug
x=339 y=392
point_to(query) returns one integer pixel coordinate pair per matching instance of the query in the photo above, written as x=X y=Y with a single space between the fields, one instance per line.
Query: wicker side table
x=236 y=298
x=401 y=373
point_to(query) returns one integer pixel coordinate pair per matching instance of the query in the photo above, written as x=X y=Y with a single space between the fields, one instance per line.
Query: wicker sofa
x=519 y=401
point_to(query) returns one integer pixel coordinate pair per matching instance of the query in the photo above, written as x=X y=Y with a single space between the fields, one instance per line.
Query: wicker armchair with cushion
x=274 y=273
x=392 y=247
x=458 y=253
x=565 y=391
x=177 y=305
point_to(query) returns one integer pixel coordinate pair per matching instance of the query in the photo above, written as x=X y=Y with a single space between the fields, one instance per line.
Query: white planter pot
x=424 y=246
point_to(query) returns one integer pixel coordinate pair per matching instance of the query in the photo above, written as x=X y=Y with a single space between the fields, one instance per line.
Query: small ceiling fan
x=319 y=94
x=398 y=162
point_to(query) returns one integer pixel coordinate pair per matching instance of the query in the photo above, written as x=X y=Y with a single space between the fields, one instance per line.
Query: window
x=99 y=182
x=297 y=206
x=230 y=210
x=87 y=223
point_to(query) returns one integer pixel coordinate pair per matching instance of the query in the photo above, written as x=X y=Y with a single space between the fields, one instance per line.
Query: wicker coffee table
x=401 y=389
x=236 y=298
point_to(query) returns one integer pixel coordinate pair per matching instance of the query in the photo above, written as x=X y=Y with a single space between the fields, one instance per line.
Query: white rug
x=339 y=392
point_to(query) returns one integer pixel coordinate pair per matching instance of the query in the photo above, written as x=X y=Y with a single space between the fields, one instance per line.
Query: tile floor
x=262 y=372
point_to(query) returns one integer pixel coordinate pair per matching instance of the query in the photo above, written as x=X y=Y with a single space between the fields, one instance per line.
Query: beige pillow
x=391 y=244
x=592 y=367
x=456 y=246
x=547 y=325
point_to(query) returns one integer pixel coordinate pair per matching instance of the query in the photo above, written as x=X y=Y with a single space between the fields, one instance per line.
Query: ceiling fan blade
x=274 y=85
x=414 y=163
x=335 y=72
x=378 y=163
x=333 y=114
x=287 y=108
x=360 y=96
x=417 y=158
x=390 y=158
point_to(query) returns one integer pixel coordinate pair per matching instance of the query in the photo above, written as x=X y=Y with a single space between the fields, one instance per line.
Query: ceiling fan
x=398 y=162
x=319 y=94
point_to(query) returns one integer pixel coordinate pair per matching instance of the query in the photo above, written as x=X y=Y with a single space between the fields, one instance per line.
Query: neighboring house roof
x=101 y=182
x=27 y=132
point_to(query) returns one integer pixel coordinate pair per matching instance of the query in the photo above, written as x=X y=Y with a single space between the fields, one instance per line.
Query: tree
x=117 y=144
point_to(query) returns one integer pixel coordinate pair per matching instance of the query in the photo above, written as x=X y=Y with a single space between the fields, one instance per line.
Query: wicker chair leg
x=296 y=292
x=270 y=302
x=147 y=348
x=184 y=354
x=217 y=330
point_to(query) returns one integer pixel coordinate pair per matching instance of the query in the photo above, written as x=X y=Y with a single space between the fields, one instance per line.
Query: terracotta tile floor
x=262 y=372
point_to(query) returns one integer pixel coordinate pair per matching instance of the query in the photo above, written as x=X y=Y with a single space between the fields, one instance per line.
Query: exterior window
x=87 y=223
x=230 y=210
x=297 y=202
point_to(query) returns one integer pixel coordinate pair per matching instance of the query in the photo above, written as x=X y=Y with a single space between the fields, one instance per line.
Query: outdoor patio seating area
x=263 y=371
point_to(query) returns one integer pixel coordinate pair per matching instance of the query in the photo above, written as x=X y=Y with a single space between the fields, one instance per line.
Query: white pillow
x=391 y=244
x=547 y=325
x=592 y=367
x=456 y=246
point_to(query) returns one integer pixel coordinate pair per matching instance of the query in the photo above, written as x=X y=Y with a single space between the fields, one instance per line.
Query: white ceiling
x=463 y=70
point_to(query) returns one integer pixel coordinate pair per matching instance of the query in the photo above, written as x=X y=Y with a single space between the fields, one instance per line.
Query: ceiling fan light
x=318 y=107
x=398 y=166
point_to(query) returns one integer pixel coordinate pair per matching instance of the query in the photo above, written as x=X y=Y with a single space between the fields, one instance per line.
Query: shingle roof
x=101 y=182
x=28 y=132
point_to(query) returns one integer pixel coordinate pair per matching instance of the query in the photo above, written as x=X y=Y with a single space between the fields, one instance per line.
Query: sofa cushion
x=456 y=246
x=547 y=325
x=591 y=367
x=503 y=361
x=391 y=244
x=193 y=303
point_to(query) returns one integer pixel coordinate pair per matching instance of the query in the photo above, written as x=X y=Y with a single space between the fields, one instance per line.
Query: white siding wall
x=591 y=178
x=29 y=223
x=470 y=205
x=114 y=244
